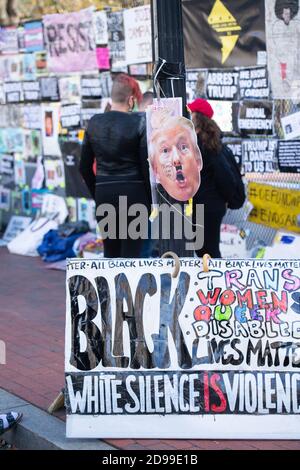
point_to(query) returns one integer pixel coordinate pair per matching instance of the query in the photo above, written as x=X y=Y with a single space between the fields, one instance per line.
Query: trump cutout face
x=175 y=158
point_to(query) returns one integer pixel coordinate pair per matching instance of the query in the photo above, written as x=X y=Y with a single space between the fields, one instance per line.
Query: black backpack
x=238 y=197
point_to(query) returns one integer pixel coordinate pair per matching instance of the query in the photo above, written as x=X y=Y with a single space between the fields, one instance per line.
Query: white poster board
x=138 y=39
x=204 y=355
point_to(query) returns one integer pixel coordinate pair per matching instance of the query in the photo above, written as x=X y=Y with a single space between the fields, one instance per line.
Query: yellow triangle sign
x=228 y=43
x=220 y=15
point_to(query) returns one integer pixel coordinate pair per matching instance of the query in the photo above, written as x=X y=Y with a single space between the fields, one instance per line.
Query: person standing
x=217 y=179
x=118 y=141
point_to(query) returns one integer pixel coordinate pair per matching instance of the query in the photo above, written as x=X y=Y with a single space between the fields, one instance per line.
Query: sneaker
x=9 y=420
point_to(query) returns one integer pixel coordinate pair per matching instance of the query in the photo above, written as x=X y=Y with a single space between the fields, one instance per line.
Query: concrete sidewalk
x=32 y=313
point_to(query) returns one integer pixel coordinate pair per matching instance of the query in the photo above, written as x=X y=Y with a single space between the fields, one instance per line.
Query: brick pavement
x=32 y=312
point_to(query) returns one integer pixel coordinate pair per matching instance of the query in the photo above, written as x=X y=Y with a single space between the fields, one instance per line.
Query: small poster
x=100 y=27
x=33 y=36
x=86 y=211
x=254 y=83
x=69 y=89
x=116 y=40
x=29 y=67
x=259 y=155
x=222 y=85
x=41 y=63
x=20 y=174
x=223 y=115
x=33 y=145
x=54 y=173
x=15 y=226
x=72 y=209
x=233 y=242
x=13 y=92
x=9 y=40
x=255 y=118
x=32 y=115
x=91 y=87
x=5 y=194
x=14 y=140
x=37 y=198
x=70 y=116
x=291 y=126
x=31 y=91
x=103 y=58
x=106 y=84
x=49 y=88
x=50 y=129
x=138 y=36
x=7 y=177
x=288 y=155
x=39 y=175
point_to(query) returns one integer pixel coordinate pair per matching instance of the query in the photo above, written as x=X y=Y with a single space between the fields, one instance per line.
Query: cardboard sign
x=138 y=39
x=70 y=41
x=205 y=355
x=288 y=154
x=259 y=155
x=274 y=207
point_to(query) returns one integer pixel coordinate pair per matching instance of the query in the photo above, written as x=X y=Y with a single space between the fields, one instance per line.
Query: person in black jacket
x=217 y=179
x=117 y=139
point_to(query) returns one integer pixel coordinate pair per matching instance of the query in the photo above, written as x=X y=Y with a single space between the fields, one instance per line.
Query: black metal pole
x=167 y=44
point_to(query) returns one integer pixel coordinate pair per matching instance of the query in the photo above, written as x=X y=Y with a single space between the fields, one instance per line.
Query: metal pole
x=167 y=44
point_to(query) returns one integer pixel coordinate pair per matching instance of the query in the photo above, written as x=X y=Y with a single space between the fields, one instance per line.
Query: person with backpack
x=221 y=182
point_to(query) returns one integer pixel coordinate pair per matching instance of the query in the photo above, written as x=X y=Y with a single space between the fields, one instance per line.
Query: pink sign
x=103 y=58
x=70 y=41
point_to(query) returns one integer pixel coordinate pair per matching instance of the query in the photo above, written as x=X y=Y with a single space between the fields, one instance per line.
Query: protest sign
x=32 y=116
x=100 y=27
x=29 y=67
x=274 y=206
x=255 y=117
x=291 y=126
x=70 y=41
x=50 y=127
x=106 y=84
x=254 y=83
x=5 y=198
x=9 y=40
x=69 y=89
x=13 y=92
x=70 y=116
x=224 y=115
x=259 y=155
x=233 y=242
x=31 y=91
x=15 y=226
x=103 y=58
x=116 y=40
x=138 y=40
x=91 y=87
x=49 y=88
x=7 y=170
x=89 y=109
x=288 y=155
x=235 y=146
x=205 y=355
x=222 y=84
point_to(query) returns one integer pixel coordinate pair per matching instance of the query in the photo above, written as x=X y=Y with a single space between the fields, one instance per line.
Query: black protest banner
x=116 y=39
x=235 y=146
x=70 y=116
x=49 y=88
x=13 y=92
x=259 y=155
x=254 y=83
x=222 y=84
x=32 y=91
x=75 y=186
x=288 y=155
x=91 y=87
x=255 y=118
x=223 y=33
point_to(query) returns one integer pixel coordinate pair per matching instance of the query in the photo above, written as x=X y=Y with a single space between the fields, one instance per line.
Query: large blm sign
x=219 y=347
